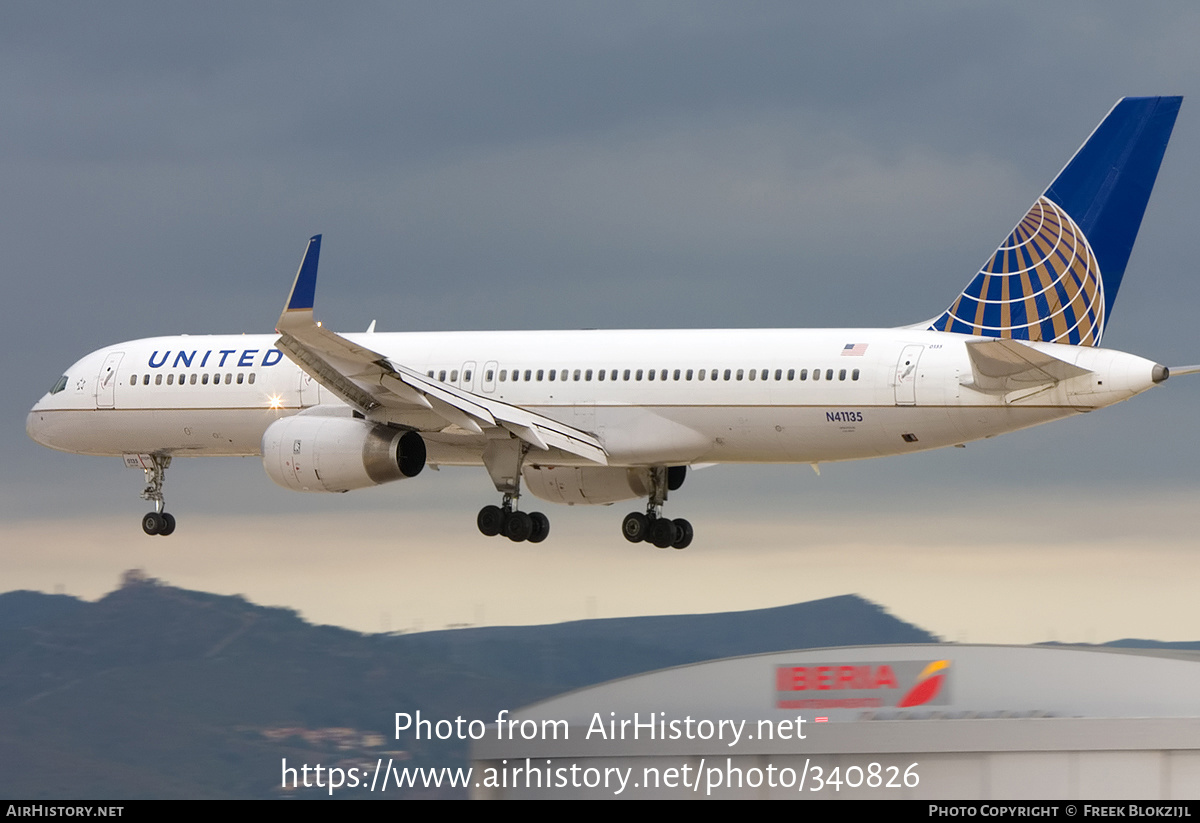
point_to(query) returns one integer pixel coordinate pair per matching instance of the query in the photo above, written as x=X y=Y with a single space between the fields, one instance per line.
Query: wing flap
x=536 y=429
x=326 y=374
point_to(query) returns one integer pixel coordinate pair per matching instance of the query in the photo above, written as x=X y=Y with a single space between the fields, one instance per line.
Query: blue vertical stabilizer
x=1055 y=277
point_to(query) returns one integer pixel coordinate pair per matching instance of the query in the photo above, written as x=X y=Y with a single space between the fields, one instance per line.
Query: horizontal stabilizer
x=1002 y=365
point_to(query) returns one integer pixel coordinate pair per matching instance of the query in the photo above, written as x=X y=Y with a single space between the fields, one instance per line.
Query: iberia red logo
x=929 y=683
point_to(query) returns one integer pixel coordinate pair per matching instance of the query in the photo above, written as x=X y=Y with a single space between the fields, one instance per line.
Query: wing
x=384 y=389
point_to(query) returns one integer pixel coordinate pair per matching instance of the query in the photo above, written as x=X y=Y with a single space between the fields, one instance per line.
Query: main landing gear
x=502 y=457
x=517 y=526
x=158 y=521
x=652 y=527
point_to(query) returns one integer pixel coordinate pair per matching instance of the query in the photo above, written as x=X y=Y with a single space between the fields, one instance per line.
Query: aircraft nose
x=35 y=426
x=33 y=423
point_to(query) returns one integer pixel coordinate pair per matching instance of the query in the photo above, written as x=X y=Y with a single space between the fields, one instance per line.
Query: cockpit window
x=60 y=385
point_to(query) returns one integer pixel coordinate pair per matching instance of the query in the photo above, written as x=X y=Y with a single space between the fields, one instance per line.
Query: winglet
x=300 y=300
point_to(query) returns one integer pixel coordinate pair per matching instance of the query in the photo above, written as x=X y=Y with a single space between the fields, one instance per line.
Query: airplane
x=597 y=417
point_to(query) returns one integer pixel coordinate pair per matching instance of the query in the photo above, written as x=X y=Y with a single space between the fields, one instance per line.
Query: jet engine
x=594 y=485
x=337 y=454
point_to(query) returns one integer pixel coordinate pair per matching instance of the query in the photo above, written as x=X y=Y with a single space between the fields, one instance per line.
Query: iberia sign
x=897 y=684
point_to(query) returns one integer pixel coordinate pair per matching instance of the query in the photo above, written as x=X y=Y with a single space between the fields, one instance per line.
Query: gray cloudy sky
x=532 y=165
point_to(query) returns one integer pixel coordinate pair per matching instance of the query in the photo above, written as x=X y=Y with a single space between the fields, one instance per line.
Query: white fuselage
x=651 y=397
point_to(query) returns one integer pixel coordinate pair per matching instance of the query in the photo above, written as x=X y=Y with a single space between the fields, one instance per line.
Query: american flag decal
x=854 y=350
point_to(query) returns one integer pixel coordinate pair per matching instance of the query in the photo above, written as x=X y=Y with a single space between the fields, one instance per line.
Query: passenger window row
x=192 y=379
x=661 y=375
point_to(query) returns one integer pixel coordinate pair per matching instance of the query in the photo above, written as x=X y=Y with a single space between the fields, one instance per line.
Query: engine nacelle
x=591 y=485
x=311 y=453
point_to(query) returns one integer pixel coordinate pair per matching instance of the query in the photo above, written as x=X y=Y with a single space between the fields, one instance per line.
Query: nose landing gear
x=158 y=521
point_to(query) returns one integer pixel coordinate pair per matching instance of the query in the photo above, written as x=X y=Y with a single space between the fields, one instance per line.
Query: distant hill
x=1182 y=648
x=1133 y=643
x=155 y=691
x=22 y=609
x=569 y=655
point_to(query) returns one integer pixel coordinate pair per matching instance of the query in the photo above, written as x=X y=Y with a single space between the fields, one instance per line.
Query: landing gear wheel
x=662 y=533
x=490 y=520
x=683 y=534
x=153 y=523
x=518 y=527
x=168 y=524
x=541 y=527
x=635 y=527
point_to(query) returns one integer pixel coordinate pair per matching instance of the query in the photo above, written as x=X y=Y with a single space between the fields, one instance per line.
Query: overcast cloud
x=534 y=165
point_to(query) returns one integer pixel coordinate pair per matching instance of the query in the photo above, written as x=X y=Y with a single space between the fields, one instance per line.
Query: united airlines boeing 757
x=603 y=416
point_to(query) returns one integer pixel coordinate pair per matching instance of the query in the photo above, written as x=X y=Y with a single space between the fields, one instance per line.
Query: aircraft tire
x=168 y=521
x=541 y=527
x=518 y=527
x=490 y=520
x=153 y=523
x=683 y=534
x=662 y=533
x=635 y=527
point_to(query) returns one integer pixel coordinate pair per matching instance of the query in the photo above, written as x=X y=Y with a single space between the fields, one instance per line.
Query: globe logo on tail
x=1043 y=283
